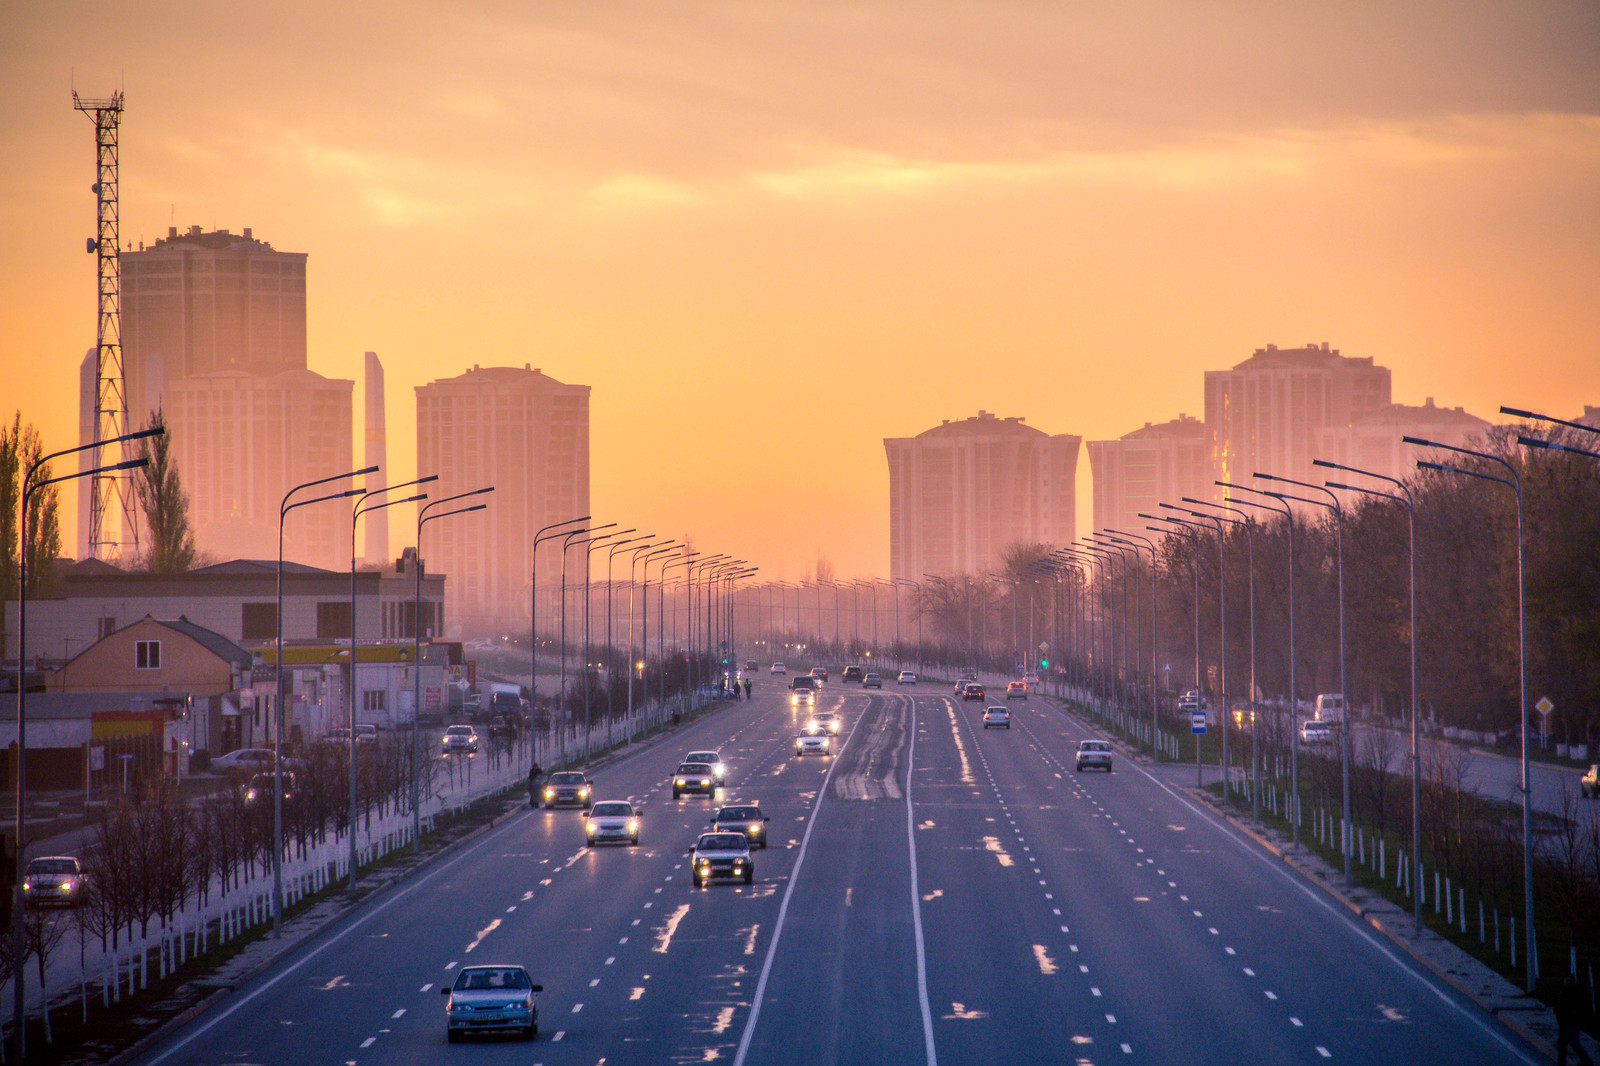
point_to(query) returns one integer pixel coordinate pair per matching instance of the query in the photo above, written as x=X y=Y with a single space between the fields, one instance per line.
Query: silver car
x=459 y=739
x=612 y=821
x=711 y=759
x=813 y=744
x=1094 y=755
x=53 y=879
x=722 y=855
x=491 y=999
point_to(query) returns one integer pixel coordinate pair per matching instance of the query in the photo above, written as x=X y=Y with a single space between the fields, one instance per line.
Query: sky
x=770 y=235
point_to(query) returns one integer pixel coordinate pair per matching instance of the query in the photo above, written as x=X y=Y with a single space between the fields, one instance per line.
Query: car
x=721 y=856
x=694 y=777
x=852 y=673
x=907 y=678
x=711 y=759
x=743 y=818
x=259 y=789
x=1017 y=690
x=813 y=744
x=1316 y=733
x=973 y=691
x=244 y=760
x=612 y=820
x=872 y=681
x=820 y=673
x=803 y=689
x=822 y=722
x=1032 y=680
x=998 y=717
x=459 y=740
x=1094 y=755
x=779 y=668
x=1191 y=701
x=366 y=733
x=568 y=788
x=750 y=666
x=491 y=999
x=1589 y=783
x=53 y=879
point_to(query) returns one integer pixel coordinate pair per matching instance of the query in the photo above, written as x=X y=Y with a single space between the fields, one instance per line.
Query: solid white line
x=783 y=909
x=916 y=900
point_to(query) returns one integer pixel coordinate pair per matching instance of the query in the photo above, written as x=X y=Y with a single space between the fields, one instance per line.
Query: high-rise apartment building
x=1373 y=441
x=1139 y=471
x=963 y=492
x=214 y=335
x=1273 y=412
x=527 y=435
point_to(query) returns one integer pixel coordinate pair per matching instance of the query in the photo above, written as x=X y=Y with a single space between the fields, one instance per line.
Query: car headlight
x=27 y=886
x=549 y=793
x=584 y=791
x=679 y=782
x=633 y=825
x=593 y=828
x=250 y=795
x=68 y=886
x=755 y=827
x=704 y=781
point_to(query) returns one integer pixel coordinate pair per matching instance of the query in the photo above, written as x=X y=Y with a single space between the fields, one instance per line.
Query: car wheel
x=589 y=842
x=634 y=842
x=750 y=876
x=1078 y=769
x=532 y=1031
x=452 y=1036
x=676 y=793
x=696 y=879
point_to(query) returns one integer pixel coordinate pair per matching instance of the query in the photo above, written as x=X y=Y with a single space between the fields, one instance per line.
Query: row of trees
x=1466 y=587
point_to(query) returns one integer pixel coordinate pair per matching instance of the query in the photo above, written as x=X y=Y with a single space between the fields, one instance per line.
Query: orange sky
x=770 y=235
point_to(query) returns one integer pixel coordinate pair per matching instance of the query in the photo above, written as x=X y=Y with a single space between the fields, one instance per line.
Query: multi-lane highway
x=933 y=892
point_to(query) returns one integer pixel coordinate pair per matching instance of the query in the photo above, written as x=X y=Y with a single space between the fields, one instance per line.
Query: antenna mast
x=112 y=491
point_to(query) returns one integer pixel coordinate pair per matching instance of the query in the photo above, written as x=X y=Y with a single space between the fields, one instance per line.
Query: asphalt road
x=933 y=892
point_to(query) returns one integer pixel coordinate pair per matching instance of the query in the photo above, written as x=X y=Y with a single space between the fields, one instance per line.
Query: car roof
x=691 y=756
x=693 y=767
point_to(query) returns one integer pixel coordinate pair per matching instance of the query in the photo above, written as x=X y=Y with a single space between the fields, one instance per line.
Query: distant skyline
x=771 y=236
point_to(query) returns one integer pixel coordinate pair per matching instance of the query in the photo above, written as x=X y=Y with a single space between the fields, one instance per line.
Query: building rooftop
x=983 y=425
x=1311 y=356
x=1399 y=414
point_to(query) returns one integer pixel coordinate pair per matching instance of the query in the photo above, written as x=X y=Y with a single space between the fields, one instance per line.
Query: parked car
x=366 y=733
x=721 y=855
x=998 y=717
x=744 y=818
x=612 y=820
x=872 y=681
x=244 y=760
x=1589 y=783
x=490 y=999
x=1094 y=755
x=568 y=788
x=907 y=678
x=53 y=879
x=1191 y=701
x=1316 y=733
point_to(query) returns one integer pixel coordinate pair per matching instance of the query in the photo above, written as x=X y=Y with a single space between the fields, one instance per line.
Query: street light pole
x=1514 y=482
x=1155 y=632
x=423 y=518
x=1404 y=497
x=356 y=512
x=1222 y=635
x=539 y=537
x=18 y=899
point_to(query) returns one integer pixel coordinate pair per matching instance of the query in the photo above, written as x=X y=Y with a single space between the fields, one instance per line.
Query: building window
x=147 y=655
x=333 y=619
x=259 y=622
x=372 y=700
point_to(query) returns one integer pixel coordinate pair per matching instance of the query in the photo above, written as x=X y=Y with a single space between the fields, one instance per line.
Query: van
x=803 y=682
x=1330 y=708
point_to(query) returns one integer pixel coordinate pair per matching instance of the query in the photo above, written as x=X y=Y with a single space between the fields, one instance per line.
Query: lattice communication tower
x=112 y=492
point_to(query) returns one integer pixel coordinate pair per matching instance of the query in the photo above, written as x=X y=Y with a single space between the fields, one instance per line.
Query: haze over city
x=771 y=236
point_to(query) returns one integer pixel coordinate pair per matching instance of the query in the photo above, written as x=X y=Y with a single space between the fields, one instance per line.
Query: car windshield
x=53 y=866
x=602 y=810
x=694 y=768
x=721 y=842
x=492 y=977
x=459 y=731
x=703 y=756
x=738 y=814
x=1094 y=745
x=566 y=777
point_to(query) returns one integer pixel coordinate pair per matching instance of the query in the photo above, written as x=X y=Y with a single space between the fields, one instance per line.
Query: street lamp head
x=1535 y=442
x=1515 y=413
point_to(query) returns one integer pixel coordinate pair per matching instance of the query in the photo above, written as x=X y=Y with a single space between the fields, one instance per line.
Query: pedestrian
x=747 y=687
x=534 y=773
x=722 y=686
x=1572 y=1011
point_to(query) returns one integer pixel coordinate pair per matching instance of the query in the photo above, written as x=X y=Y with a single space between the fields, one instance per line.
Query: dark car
x=744 y=818
x=852 y=673
x=973 y=691
x=721 y=856
x=694 y=777
x=568 y=788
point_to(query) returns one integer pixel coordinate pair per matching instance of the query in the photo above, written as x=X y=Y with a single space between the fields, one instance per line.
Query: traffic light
x=1044 y=664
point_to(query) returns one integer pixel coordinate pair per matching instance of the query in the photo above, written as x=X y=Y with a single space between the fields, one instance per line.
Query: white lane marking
x=485 y=931
x=610 y=959
x=398 y=1013
x=369 y=1041
x=557 y=1038
x=576 y=1007
x=427 y=987
x=1296 y=1022
x=1111 y=1018
x=1248 y=972
x=1272 y=995
x=1325 y=1053
x=511 y=909
x=1127 y=1050
x=783 y=913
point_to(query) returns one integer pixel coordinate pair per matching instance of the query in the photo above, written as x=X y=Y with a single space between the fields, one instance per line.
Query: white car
x=721 y=855
x=612 y=821
x=366 y=734
x=1316 y=733
x=459 y=739
x=711 y=759
x=779 y=668
x=872 y=681
x=822 y=722
x=1094 y=755
x=53 y=879
x=907 y=677
x=813 y=744
x=998 y=717
x=248 y=760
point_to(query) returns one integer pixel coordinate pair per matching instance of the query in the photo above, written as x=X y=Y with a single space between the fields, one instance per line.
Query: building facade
x=963 y=492
x=1274 y=412
x=1159 y=463
x=526 y=434
x=1373 y=442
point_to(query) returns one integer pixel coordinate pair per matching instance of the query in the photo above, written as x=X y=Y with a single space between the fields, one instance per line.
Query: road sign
x=1544 y=706
x=1197 y=722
